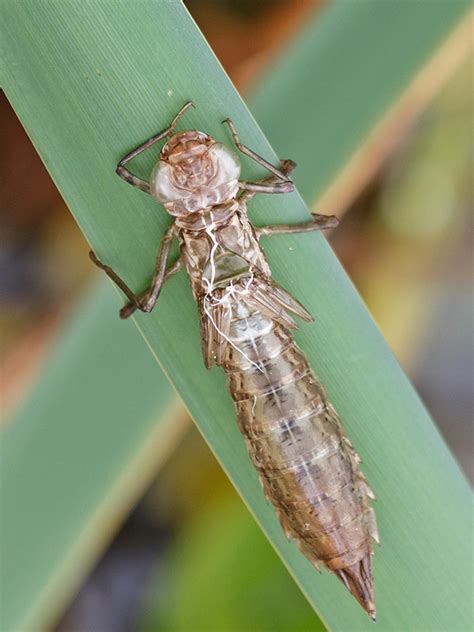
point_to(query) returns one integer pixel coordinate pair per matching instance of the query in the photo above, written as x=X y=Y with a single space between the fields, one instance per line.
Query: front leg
x=279 y=184
x=127 y=175
x=149 y=300
x=318 y=222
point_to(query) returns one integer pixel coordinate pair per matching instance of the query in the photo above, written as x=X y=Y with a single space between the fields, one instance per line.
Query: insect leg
x=128 y=309
x=285 y=165
x=281 y=184
x=146 y=300
x=319 y=222
x=127 y=175
x=172 y=269
x=114 y=276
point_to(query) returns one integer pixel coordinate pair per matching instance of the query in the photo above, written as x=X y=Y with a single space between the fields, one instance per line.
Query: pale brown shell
x=307 y=466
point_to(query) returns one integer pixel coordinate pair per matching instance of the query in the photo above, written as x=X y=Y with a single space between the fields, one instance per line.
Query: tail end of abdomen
x=359 y=580
x=308 y=467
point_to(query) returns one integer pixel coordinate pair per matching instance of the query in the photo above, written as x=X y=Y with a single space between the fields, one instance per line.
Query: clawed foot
x=127 y=310
x=326 y=221
x=142 y=302
x=287 y=166
x=131 y=307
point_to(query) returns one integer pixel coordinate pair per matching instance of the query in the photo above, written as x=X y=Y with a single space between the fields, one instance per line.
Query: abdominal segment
x=307 y=466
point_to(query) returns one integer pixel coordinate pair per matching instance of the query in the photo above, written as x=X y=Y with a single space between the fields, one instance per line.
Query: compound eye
x=228 y=166
x=161 y=183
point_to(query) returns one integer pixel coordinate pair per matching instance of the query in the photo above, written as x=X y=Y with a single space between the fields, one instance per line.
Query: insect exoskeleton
x=306 y=464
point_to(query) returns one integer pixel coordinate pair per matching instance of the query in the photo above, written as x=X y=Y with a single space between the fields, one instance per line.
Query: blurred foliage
x=427 y=186
x=397 y=239
x=221 y=573
x=226 y=578
x=417 y=279
x=65 y=485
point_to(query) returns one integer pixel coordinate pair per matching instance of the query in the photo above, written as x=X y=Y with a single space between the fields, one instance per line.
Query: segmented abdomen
x=306 y=464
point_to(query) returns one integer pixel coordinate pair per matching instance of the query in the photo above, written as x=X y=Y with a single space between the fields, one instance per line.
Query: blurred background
x=406 y=241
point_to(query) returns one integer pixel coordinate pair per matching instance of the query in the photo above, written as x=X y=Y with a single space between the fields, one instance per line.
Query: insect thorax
x=217 y=244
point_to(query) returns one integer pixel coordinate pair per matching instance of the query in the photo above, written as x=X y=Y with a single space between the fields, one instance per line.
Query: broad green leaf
x=101 y=80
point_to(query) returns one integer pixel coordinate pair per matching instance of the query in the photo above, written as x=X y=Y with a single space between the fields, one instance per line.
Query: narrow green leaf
x=101 y=81
x=72 y=461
